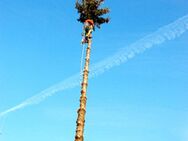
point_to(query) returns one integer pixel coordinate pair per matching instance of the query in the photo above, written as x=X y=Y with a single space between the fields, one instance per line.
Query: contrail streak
x=168 y=32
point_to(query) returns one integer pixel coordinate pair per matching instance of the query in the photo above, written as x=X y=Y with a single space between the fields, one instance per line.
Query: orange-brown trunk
x=82 y=110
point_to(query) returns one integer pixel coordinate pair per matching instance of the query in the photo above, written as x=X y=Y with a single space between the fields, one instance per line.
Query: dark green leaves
x=90 y=9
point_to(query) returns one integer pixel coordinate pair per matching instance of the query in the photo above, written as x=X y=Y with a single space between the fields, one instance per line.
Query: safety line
x=81 y=62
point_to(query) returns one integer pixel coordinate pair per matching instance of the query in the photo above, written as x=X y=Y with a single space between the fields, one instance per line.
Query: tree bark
x=82 y=110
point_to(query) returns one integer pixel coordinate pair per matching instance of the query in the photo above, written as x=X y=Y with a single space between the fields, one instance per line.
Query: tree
x=88 y=10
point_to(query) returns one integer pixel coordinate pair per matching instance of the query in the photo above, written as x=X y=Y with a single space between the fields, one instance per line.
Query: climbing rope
x=2 y=123
x=81 y=62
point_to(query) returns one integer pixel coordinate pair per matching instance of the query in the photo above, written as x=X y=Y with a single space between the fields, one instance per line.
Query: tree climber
x=88 y=28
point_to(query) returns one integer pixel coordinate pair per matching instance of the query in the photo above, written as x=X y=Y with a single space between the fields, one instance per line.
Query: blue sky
x=143 y=99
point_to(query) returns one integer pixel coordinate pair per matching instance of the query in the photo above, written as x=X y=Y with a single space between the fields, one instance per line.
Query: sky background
x=144 y=99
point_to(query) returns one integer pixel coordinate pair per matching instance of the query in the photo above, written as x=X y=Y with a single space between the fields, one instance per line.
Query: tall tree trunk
x=82 y=110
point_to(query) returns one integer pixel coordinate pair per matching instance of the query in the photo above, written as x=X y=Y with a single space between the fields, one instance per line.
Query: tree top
x=90 y=9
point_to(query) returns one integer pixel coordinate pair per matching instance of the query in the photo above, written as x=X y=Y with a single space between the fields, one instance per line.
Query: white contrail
x=163 y=34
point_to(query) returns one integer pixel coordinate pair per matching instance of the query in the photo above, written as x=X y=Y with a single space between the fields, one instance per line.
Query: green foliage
x=90 y=9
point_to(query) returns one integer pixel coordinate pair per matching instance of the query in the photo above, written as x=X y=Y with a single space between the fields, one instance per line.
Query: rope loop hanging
x=81 y=62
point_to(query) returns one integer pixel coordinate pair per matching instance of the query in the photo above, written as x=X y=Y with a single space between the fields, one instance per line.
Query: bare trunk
x=82 y=110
